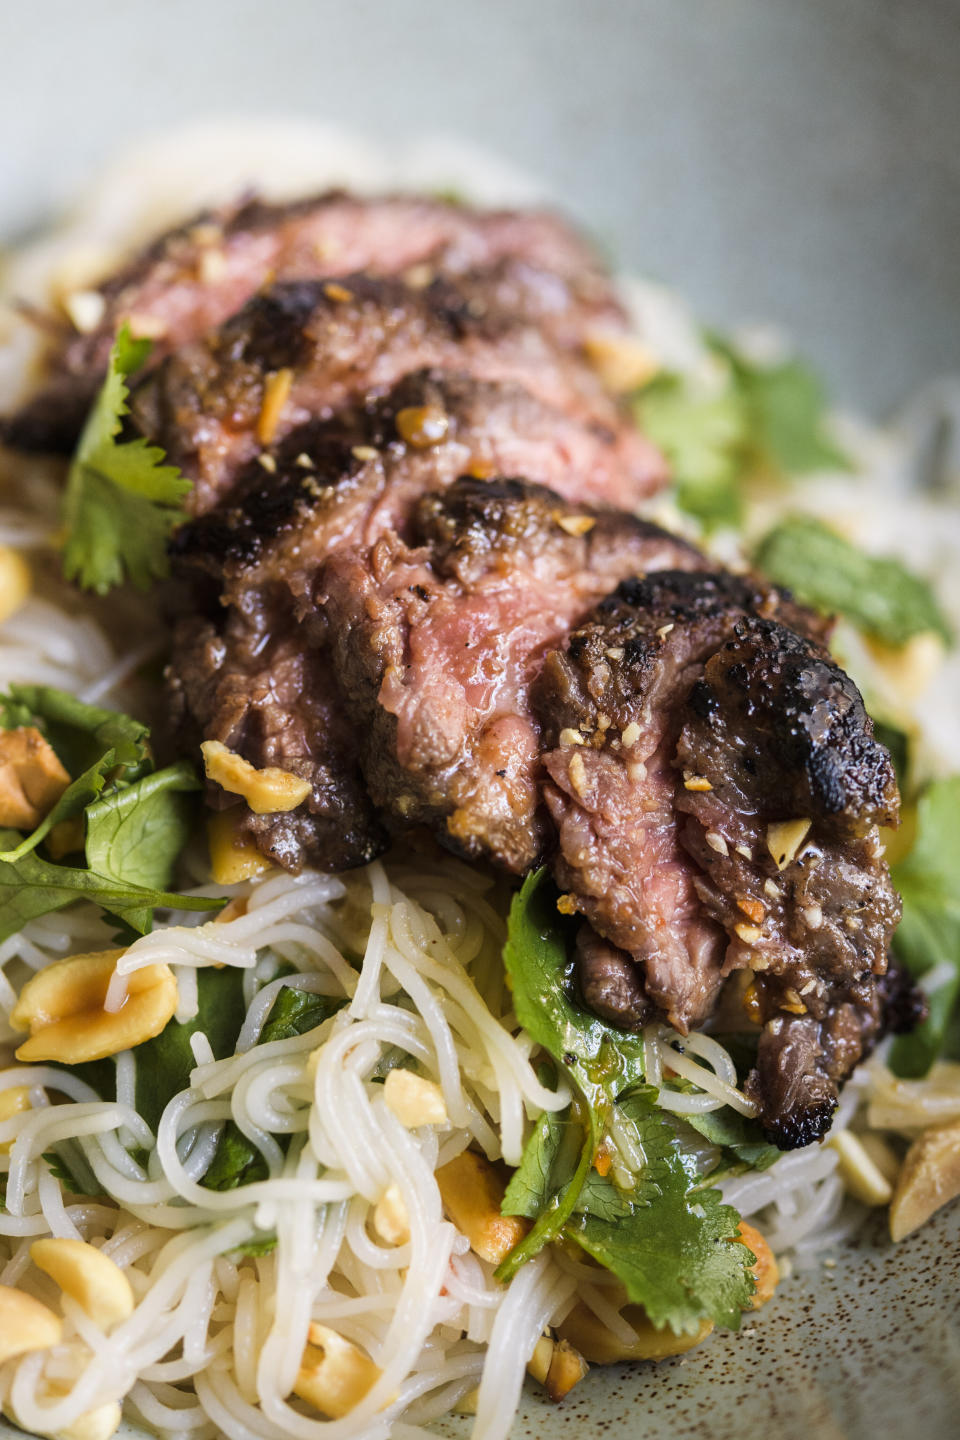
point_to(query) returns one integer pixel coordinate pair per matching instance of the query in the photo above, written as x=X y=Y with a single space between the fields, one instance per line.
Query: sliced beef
x=437 y=639
x=304 y=349
x=249 y=569
x=690 y=723
x=196 y=276
x=259 y=688
x=608 y=701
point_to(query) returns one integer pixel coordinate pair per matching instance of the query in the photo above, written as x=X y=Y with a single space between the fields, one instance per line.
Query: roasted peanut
x=13 y=1102
x=98 y=1424
x=584 y=1330
x=622 y=362
x=88 y=1276
x=62 y=1007
x=14 y=582
x=764 y=1269
x=390 y=1218
x=334 y=1374
x=266 y=791
x=32 y=779
x=557 y=1366
x=929 y=1178
x=413 y=1100
x=472 y=1192
x=859 y=1173
x=25 y=1324
x=784 y=840
x=232 y=859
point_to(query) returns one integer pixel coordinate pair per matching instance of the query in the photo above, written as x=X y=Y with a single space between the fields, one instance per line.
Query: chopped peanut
x=13 y=1102
x=929 y=1178
x=390 y=1218
x=909 y=669
x=266 y=791
x=784 y=840
x=334 y=1373
x=32 y=779
x=422 y=425
x=98 y=1424
x=600 y=1346
x=25 y=1324
x=859 y=1173
x=62 y=1007
x=413 y=1100
x=231 y=859
x=88 y=1276
x=764 y=1269
x=472 y=1192
x=622 y=362
x=276 y=392
x=15 y=581
x=567 y=1368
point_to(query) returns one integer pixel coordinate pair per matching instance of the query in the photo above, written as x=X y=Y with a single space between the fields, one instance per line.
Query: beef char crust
x=196 y=276
x=436 y=642
x=736 y=722
x=329 y=344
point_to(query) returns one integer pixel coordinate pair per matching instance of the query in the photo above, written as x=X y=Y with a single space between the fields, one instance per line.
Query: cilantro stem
x=551 y=1220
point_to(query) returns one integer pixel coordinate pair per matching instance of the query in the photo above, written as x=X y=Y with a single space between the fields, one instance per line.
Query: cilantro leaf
x=928 y=936
x=30 y=887
x=741 y=1139
x=598 y=1061
x=877 y=593
x=135 y=834
x=786 y=414
x=766 y=419
x=703 y=437
x=531 y=1184
x=672 y=1252
x=121 y=500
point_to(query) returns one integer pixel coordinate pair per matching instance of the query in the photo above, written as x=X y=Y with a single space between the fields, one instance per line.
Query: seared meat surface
x=303 y=350
x=351 y=487
x=437 y=640
x=719 y=812
x=195 y=277
x=414 y=575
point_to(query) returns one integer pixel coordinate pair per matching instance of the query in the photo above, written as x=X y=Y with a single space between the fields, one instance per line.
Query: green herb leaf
x=531 y=1184
x=786 y=413
x=929 y=933
x=877 y=593
x=703 y=438
x=741 y=1139
x=101 y=744
x=672 y=1252
x=134 y=835
x=32 y=887
x=121 y=501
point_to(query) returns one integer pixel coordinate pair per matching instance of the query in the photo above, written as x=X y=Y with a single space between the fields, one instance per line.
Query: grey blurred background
x=796 y=160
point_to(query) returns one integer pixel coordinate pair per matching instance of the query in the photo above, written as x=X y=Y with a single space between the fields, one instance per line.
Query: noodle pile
x=227 y=1282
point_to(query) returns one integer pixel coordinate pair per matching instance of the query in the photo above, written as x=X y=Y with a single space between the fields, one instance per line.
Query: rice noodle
x=214 y=1342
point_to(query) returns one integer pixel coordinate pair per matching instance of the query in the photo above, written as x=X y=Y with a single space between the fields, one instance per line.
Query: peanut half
x=25 y=1324
x=334 y=1373
x=88 y=1276
x=472 y=1191
x=62 y=1007
x=266 y=791
x=929 y=1178
x=32 y=779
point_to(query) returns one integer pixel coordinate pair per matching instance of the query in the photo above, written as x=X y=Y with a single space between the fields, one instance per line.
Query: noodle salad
x=314 y=1155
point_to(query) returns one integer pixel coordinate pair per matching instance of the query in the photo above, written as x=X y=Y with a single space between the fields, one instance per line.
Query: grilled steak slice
x=790 y=859
x=249 y=568
x=436 y=642
x=304 y=349
x=710 y=726
x=258 y=687
x=196 y=276
x=609 y=702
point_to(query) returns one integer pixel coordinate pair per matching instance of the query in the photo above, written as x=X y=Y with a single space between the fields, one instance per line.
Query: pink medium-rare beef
x=437 y=639
x=686 y=720
x=300 y=351
x=251 y=566
x=196 y=276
